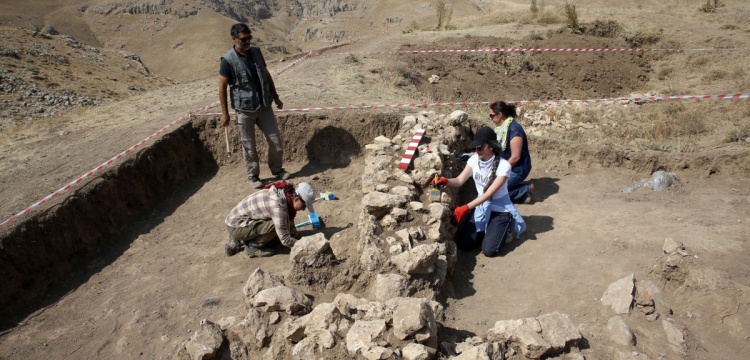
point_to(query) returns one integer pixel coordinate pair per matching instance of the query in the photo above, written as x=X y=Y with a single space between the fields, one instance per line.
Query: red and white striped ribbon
x=124 y=153
x=295 y=62
x=527 y=50
x=411 y=105
x=103 y=165
x=553 y=101
x=411 y=150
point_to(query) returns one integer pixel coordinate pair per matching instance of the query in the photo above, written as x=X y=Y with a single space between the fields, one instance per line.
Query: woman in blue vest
x=514 y=148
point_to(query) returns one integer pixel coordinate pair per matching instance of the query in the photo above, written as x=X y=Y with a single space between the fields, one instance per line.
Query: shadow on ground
x=82 y=269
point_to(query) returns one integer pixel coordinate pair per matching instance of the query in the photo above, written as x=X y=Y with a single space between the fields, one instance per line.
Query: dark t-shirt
x=226 y=71
x=523 y=166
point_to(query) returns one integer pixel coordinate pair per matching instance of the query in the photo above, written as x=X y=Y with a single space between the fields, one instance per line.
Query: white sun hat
x=306 y=192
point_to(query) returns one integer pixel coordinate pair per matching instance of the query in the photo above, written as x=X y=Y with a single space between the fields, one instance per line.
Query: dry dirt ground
x=144 y=293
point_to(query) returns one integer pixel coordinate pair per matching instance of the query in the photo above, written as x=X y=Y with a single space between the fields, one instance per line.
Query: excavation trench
x=44 y=247
x=47 y=244
x=106 y=214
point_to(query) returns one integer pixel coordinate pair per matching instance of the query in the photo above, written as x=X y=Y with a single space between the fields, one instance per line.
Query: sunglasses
x=478 y=148
x=493 y=115
x=245 y=39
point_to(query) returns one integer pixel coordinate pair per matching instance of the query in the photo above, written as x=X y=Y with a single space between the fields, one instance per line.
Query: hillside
x=81 y=82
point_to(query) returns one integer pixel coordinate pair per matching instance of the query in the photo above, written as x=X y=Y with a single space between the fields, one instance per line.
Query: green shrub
x=571 y=16
x=444 y=13
x=710 y=6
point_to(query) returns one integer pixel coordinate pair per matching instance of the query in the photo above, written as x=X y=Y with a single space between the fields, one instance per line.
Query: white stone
x=259 y=280
x=307 y=249
x=389 y=286
x=619 y=331
x=363 y=334
x=619 y=295
x=282 y=298
x=419 y=260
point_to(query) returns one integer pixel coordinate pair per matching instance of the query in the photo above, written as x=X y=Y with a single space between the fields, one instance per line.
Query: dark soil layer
x=314 y=138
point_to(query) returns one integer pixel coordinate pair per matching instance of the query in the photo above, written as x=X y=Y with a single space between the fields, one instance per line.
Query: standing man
x=251 y=87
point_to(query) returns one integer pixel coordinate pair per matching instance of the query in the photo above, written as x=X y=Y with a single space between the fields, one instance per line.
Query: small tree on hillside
x=571 y=16
x=444 y=13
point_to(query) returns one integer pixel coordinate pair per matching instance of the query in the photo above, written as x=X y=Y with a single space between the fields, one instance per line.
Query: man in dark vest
x=251 y=90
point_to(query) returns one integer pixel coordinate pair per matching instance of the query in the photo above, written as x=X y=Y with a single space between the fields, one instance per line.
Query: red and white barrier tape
x=560 y=101
x=530 y=50
x=103 y=165
x=362 y=107
x=295 y=62
x=411 y=149
x=125 y=152
x=557 y=50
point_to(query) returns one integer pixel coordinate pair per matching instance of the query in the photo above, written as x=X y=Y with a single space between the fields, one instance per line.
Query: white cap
x=307 y=194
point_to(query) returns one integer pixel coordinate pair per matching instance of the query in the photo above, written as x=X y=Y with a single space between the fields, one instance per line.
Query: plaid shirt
x=268 y=204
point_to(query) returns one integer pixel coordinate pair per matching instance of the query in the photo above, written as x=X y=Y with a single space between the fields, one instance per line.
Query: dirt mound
x=527 y=75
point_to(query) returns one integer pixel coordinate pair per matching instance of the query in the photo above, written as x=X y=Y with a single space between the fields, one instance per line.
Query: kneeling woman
x=491 y=214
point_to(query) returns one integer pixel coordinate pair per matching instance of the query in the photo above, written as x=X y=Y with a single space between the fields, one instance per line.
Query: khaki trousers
x=258 y=234
x=266 y=121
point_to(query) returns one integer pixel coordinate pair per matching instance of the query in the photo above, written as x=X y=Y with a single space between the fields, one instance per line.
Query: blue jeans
x=518 y=190
x=497 y=228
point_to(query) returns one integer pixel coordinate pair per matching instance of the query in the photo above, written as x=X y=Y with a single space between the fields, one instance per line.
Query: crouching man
x=266 y=215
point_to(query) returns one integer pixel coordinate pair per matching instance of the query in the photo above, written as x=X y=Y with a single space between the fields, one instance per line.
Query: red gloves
x=440 y=181
x=459 y=212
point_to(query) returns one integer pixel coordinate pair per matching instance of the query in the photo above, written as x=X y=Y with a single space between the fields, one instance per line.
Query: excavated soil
x=515 y=75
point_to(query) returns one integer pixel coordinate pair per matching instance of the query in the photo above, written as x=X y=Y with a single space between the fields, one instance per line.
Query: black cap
x=485 y=135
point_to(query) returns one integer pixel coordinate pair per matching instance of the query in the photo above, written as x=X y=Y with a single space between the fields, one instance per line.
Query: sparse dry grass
x=642 y=37
x=738 y=134
x=673 y=126
x=715 y=75
x=603 y=28
x=549 y=18
x=351 y=59
x=663 y=73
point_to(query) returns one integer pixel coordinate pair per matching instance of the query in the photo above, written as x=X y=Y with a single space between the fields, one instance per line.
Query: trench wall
x=46 y=245
x=49 y=243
